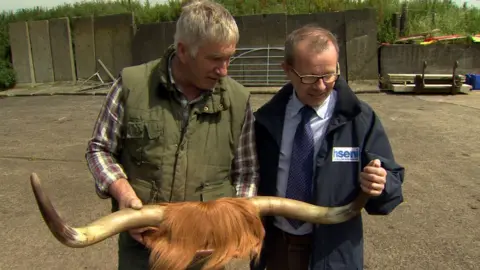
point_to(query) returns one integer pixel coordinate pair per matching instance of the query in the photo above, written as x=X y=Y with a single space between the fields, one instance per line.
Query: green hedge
x=449 y=18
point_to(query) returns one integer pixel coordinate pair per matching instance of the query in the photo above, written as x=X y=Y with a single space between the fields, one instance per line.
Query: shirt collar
x=323 y=110
x=170 y=76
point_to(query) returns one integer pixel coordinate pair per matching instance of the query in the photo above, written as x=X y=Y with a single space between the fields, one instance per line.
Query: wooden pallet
x=433 y=89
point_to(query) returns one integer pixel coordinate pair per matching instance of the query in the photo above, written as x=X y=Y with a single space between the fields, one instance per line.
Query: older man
x=176 y=128
x=318 y=143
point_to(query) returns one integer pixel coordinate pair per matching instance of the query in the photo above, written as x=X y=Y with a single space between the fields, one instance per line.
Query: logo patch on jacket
x=346 y=154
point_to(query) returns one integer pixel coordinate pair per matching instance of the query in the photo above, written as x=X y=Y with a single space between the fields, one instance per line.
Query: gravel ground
x=435 y=137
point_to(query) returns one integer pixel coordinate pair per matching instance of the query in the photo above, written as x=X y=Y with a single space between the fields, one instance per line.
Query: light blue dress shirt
x=319 y=123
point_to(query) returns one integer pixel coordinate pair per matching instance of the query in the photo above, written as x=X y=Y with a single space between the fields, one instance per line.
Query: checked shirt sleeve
x=102 y=149
x=245 y=164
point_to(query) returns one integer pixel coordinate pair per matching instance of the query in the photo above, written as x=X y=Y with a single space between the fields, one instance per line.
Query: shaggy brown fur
x=232 y=228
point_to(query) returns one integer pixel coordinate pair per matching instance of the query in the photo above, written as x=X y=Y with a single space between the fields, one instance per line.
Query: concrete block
x=169 y=28
x=361 y=44
x=148 y=43
x=151 y=40
x=41 y=51
x=62 y=51
x=241 y=29
x=21 y=52
x=275 y=26
x=113 y=43
x=261 y=30
x=298 y=20
x=333 y=21
x=253 y=32
x=84 y=46
x=364 y=86
x=409 y=58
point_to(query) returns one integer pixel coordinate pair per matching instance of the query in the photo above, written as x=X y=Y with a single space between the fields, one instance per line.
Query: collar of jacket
x=272 y=114
x=159 y=79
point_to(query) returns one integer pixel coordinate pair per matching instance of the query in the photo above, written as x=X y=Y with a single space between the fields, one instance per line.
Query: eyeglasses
x=311 y=79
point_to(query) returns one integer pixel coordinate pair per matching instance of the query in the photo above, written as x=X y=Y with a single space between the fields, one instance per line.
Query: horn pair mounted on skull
x=218 y=230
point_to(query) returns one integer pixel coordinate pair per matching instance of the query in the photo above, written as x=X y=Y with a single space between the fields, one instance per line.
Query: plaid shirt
x=102 y=150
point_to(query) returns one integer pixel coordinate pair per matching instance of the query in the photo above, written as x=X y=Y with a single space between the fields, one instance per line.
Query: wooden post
x=404 y=20
x=396 y=24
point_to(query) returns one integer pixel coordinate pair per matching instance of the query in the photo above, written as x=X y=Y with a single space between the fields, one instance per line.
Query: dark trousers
x=284 y=251
x=134 y=256
x=131 y=254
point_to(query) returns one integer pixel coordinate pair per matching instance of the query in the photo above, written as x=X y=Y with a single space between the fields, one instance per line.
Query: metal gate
x=258 y=66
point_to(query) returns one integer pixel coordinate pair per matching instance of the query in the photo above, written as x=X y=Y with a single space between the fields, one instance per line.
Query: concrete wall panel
x=253 y=32
x=148 y=43
x=62 y=51
x=113 y=42
x=21 y=52
x=298 y=20
x=84 y=46
x=275 y=27
x=361 y=44
x=169 y=28
x=151 y=41
x=254 y=35
x=41 y=51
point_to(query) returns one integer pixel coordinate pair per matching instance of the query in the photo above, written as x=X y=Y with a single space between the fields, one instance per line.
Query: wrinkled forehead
x=218 y=50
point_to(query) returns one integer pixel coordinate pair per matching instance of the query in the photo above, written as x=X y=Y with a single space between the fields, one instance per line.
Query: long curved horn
x=152 y=215
x=277 y=206
x=99 y=230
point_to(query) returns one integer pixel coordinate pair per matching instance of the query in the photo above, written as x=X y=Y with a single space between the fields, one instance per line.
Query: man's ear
x=286 y=69
x=182 y=52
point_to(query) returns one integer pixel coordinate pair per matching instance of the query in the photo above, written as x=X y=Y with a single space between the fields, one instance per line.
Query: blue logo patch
x=346 y=154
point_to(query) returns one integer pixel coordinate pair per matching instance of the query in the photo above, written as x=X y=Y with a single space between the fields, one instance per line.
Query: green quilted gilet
x=165 y=163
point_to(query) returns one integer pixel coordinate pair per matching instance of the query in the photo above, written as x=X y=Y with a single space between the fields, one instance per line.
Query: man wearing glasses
x=318 y=143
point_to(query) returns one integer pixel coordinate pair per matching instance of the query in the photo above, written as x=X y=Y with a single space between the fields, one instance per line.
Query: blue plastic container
x=473 y=80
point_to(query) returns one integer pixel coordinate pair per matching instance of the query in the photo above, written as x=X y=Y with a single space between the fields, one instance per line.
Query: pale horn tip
x=62 y=231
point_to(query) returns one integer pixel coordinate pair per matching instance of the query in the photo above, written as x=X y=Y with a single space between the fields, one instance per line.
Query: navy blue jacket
x=353 y=124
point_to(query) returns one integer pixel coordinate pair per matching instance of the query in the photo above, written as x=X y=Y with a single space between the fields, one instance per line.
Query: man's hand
x=126 y=198
x=373 y=178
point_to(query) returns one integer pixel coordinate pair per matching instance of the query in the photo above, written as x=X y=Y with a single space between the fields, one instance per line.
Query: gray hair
x=317 y=37
x=205 y=21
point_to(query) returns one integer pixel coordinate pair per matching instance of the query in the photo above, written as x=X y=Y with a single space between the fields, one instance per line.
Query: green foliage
x=7 y=75
x=449 y=18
